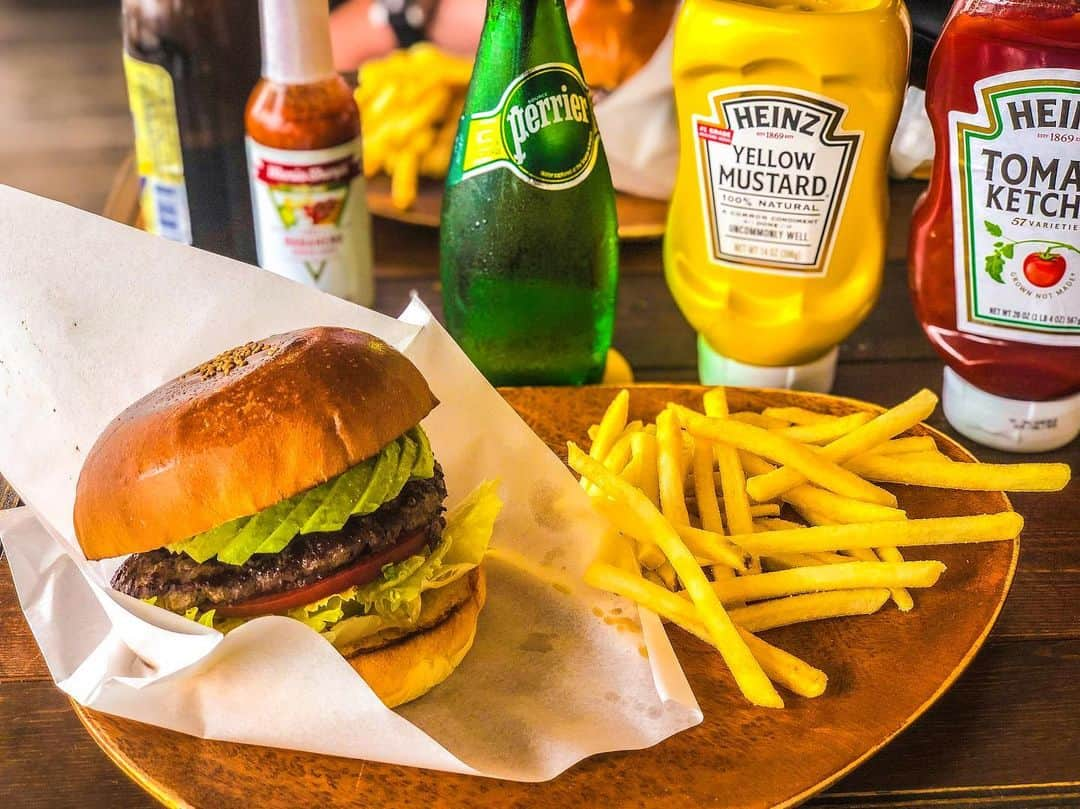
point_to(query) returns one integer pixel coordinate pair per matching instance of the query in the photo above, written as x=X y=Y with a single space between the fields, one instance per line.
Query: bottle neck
x=296 y=41
x=523 y=33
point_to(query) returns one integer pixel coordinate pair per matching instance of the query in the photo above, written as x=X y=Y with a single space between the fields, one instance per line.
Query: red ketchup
x=995 y=240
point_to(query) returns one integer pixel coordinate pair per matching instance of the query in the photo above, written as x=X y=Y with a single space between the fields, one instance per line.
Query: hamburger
x=291 y=476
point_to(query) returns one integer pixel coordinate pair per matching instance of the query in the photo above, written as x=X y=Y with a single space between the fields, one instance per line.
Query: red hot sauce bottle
x=303 y=143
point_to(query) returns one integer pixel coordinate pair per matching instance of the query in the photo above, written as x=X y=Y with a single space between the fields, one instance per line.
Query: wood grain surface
x=753 y=757
x=1005 y=735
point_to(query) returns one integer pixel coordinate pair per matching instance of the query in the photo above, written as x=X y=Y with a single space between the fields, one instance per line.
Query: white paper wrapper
x=93 y=315
x=639 y=128
x=912 y=146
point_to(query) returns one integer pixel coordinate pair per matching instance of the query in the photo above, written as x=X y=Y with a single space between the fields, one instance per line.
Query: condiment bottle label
x=774 y=168
x=1015 y=171
x=158 y=158
x=311 y=222
x=543 y=130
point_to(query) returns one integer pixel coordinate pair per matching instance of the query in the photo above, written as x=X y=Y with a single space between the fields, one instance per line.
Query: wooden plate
x=884 y=671
x=639 y=218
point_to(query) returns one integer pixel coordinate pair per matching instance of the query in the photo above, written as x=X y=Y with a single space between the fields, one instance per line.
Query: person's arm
x=358 y=34
x=456 y=25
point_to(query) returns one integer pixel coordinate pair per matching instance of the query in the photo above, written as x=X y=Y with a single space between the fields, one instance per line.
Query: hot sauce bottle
x=303 y=145
x=995 y=241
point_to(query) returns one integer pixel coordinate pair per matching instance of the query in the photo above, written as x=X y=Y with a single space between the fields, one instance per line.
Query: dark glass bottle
x=190 y=65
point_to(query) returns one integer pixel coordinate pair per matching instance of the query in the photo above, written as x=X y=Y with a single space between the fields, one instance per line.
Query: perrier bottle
x=529 y=244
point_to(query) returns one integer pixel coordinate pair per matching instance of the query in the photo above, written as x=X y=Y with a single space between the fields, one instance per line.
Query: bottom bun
x=411 y=667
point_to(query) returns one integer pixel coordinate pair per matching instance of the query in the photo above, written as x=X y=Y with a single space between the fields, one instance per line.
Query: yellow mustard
x=777 y=228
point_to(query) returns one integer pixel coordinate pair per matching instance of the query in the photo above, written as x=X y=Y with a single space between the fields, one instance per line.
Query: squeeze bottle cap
x=716 y=369
x=1009 y=424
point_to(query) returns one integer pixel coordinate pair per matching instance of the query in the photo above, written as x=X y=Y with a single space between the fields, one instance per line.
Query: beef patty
x=179 y=582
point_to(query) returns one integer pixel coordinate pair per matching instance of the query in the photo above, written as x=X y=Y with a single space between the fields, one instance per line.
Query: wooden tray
x=639 y=218
x=884 y=671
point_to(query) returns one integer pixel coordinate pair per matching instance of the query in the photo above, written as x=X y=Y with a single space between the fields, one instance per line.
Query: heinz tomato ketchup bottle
x=995 y=242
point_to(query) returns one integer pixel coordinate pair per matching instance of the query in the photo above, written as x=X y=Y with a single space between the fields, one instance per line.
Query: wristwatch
x=408 y=19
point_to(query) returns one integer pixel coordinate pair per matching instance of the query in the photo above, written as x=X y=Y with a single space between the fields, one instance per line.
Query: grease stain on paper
x=538 y=642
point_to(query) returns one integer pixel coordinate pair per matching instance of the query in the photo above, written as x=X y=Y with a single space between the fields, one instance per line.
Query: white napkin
x=640 y=131
x=912 y=145
x=93 y=315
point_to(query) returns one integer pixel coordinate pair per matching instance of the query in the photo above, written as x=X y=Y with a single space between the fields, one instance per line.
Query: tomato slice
x=364 y=571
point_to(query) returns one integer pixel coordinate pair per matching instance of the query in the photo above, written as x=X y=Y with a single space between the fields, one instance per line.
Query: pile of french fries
x=698 y=534
x=410 y=103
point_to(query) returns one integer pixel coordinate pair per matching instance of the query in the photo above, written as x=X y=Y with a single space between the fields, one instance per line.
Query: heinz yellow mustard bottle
x=777 y=227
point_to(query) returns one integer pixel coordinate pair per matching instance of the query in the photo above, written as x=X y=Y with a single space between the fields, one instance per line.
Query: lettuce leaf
x=358 y=490
x=393 y=600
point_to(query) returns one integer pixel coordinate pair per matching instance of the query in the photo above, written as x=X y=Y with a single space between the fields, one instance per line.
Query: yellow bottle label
x=778 y=221
x=158 y=158
x=774 y=168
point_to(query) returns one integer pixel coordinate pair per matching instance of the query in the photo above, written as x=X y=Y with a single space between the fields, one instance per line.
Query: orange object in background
x=303 y=143
x=995 y=241
x=615 y=38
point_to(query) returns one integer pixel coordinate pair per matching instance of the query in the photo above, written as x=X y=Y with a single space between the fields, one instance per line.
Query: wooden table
x=1008 y=732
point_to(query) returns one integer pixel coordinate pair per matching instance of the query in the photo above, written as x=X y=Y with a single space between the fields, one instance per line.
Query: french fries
x=410 y=103
x=779 y=666
x=759 y=420
x=746 y=670
x=824 y=431
x=609 y=429
x=899 y=595
x=1022 y=477
x=900 y=446
x=835 y=508
x=704 y=488
x=879 y=429
x=809 y=607
x=737 y=509
x=677 y=494
x=850 y=575
x=714 y=548
x=669 y=468
x=932 y=531
x=813 y=465
x=643 y=446
x=797 y=415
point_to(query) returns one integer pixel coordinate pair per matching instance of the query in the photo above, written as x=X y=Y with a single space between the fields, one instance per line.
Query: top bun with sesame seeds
x=241 y=432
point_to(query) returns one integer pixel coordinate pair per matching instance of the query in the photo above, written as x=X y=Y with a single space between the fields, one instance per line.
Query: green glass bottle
x=529 y=241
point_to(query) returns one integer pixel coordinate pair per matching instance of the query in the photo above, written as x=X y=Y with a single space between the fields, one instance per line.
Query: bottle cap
x=1009 y=424
x=716 y=369
x=296 y=41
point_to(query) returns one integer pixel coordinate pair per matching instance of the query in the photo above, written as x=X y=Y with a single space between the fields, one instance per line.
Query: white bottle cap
x=296 y=41
x=1009 y=424
x=716 y=369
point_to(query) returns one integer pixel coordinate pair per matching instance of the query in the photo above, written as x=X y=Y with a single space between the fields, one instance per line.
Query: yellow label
x=484 y=144
x=777 y=226
x=158 y=158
